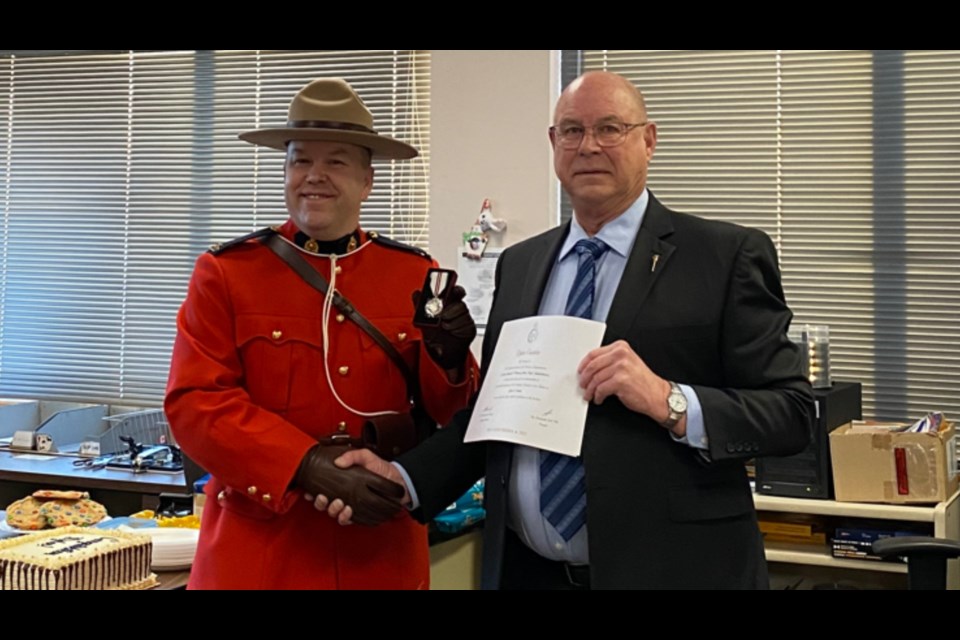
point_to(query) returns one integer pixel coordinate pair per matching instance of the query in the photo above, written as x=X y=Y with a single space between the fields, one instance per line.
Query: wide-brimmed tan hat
x=329 y=109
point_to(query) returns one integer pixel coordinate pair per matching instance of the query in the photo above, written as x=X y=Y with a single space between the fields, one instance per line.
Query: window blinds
x=850 y=160
x=118 y=168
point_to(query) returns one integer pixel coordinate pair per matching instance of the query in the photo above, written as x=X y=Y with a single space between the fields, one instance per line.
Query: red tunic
x=248 y=396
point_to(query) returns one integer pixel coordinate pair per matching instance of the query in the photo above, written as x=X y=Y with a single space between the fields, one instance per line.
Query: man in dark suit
x=695 y=375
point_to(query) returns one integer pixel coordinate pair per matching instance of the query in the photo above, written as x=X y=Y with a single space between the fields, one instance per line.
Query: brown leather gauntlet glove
x=373 y=499
x=449 y=342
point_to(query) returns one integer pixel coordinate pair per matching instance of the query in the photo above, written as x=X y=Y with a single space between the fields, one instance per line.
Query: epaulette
x=393 y=244
x=219 y=247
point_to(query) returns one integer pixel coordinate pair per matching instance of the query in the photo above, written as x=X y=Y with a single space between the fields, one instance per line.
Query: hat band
x=328 y=124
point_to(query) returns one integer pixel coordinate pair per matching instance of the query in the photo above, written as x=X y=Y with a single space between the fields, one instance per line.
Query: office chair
x=926 y=558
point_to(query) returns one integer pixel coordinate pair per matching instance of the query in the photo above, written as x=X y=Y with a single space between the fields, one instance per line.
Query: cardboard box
x=880 y=465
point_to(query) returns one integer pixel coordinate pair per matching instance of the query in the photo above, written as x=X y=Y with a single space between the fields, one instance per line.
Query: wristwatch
x=676 y=406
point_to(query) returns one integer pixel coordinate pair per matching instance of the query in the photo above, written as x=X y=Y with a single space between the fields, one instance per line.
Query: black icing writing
x=52 y=542
x=80 y=544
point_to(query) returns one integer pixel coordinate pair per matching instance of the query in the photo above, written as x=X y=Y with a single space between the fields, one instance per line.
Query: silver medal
x=433 y=308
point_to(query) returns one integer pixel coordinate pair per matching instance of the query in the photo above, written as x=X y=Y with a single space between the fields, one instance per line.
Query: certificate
x=531 y=394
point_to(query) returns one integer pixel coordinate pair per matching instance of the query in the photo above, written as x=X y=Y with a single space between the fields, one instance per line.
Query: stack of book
x=793 y=529
x=856 y=543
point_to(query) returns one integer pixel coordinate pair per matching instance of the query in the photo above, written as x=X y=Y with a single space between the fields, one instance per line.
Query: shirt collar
x=618 y=234
x=340 y=246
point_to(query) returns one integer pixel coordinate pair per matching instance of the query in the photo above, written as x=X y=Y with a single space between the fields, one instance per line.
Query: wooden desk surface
x=60 y=471
x=170 y=580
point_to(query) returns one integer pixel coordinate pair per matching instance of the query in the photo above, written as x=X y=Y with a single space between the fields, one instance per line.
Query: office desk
x=121 y=492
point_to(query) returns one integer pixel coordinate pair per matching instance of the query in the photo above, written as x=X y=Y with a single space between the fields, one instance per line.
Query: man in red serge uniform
x=271 y=375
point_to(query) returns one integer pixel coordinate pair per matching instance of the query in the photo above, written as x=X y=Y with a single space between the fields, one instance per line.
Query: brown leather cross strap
x=286 y=252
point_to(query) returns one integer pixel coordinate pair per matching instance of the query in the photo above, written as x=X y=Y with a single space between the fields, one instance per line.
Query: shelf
x=813 y=555
x=845 y=509
x=944 y=519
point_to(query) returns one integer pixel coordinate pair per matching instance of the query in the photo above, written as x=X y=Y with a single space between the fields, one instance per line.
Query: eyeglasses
x=607 y=134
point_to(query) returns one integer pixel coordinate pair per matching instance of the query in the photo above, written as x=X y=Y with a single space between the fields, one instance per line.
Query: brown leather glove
x=448 y=343
x=374 y=499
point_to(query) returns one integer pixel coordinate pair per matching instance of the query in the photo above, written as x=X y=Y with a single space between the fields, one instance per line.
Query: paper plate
x=173 y=549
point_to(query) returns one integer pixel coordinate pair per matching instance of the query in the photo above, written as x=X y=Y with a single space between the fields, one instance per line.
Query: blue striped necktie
x=563 y=487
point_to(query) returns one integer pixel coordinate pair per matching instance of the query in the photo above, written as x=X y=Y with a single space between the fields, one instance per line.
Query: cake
x=74 y=558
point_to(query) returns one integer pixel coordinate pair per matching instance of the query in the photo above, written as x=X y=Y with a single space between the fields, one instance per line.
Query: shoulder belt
x=219 y=247
x=295 y=261
x=384 y=241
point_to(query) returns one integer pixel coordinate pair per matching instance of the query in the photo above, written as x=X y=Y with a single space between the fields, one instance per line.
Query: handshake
x=372 y=498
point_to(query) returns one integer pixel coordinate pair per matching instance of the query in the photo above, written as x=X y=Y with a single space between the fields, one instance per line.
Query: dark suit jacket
x=659 y=515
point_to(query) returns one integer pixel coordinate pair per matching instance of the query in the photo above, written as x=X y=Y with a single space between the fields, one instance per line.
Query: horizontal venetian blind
x=118 y=168
x=717 y=118
x=849 y=160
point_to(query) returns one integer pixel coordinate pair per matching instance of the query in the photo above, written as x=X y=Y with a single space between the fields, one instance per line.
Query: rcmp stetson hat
x=329 y=109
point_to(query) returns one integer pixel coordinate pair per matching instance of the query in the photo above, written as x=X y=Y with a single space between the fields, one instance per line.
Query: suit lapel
x=647 y=260
x=540 y=265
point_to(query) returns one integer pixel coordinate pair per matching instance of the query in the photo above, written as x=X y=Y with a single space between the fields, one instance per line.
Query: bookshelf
x=942 y=520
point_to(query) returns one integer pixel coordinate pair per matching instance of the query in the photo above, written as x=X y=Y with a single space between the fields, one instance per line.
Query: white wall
x=489 y=116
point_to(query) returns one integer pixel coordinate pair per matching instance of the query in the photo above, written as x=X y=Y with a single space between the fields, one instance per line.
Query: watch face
x=677 y=401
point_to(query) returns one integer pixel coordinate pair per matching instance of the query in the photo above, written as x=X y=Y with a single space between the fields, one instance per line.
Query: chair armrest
x=917 y=546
